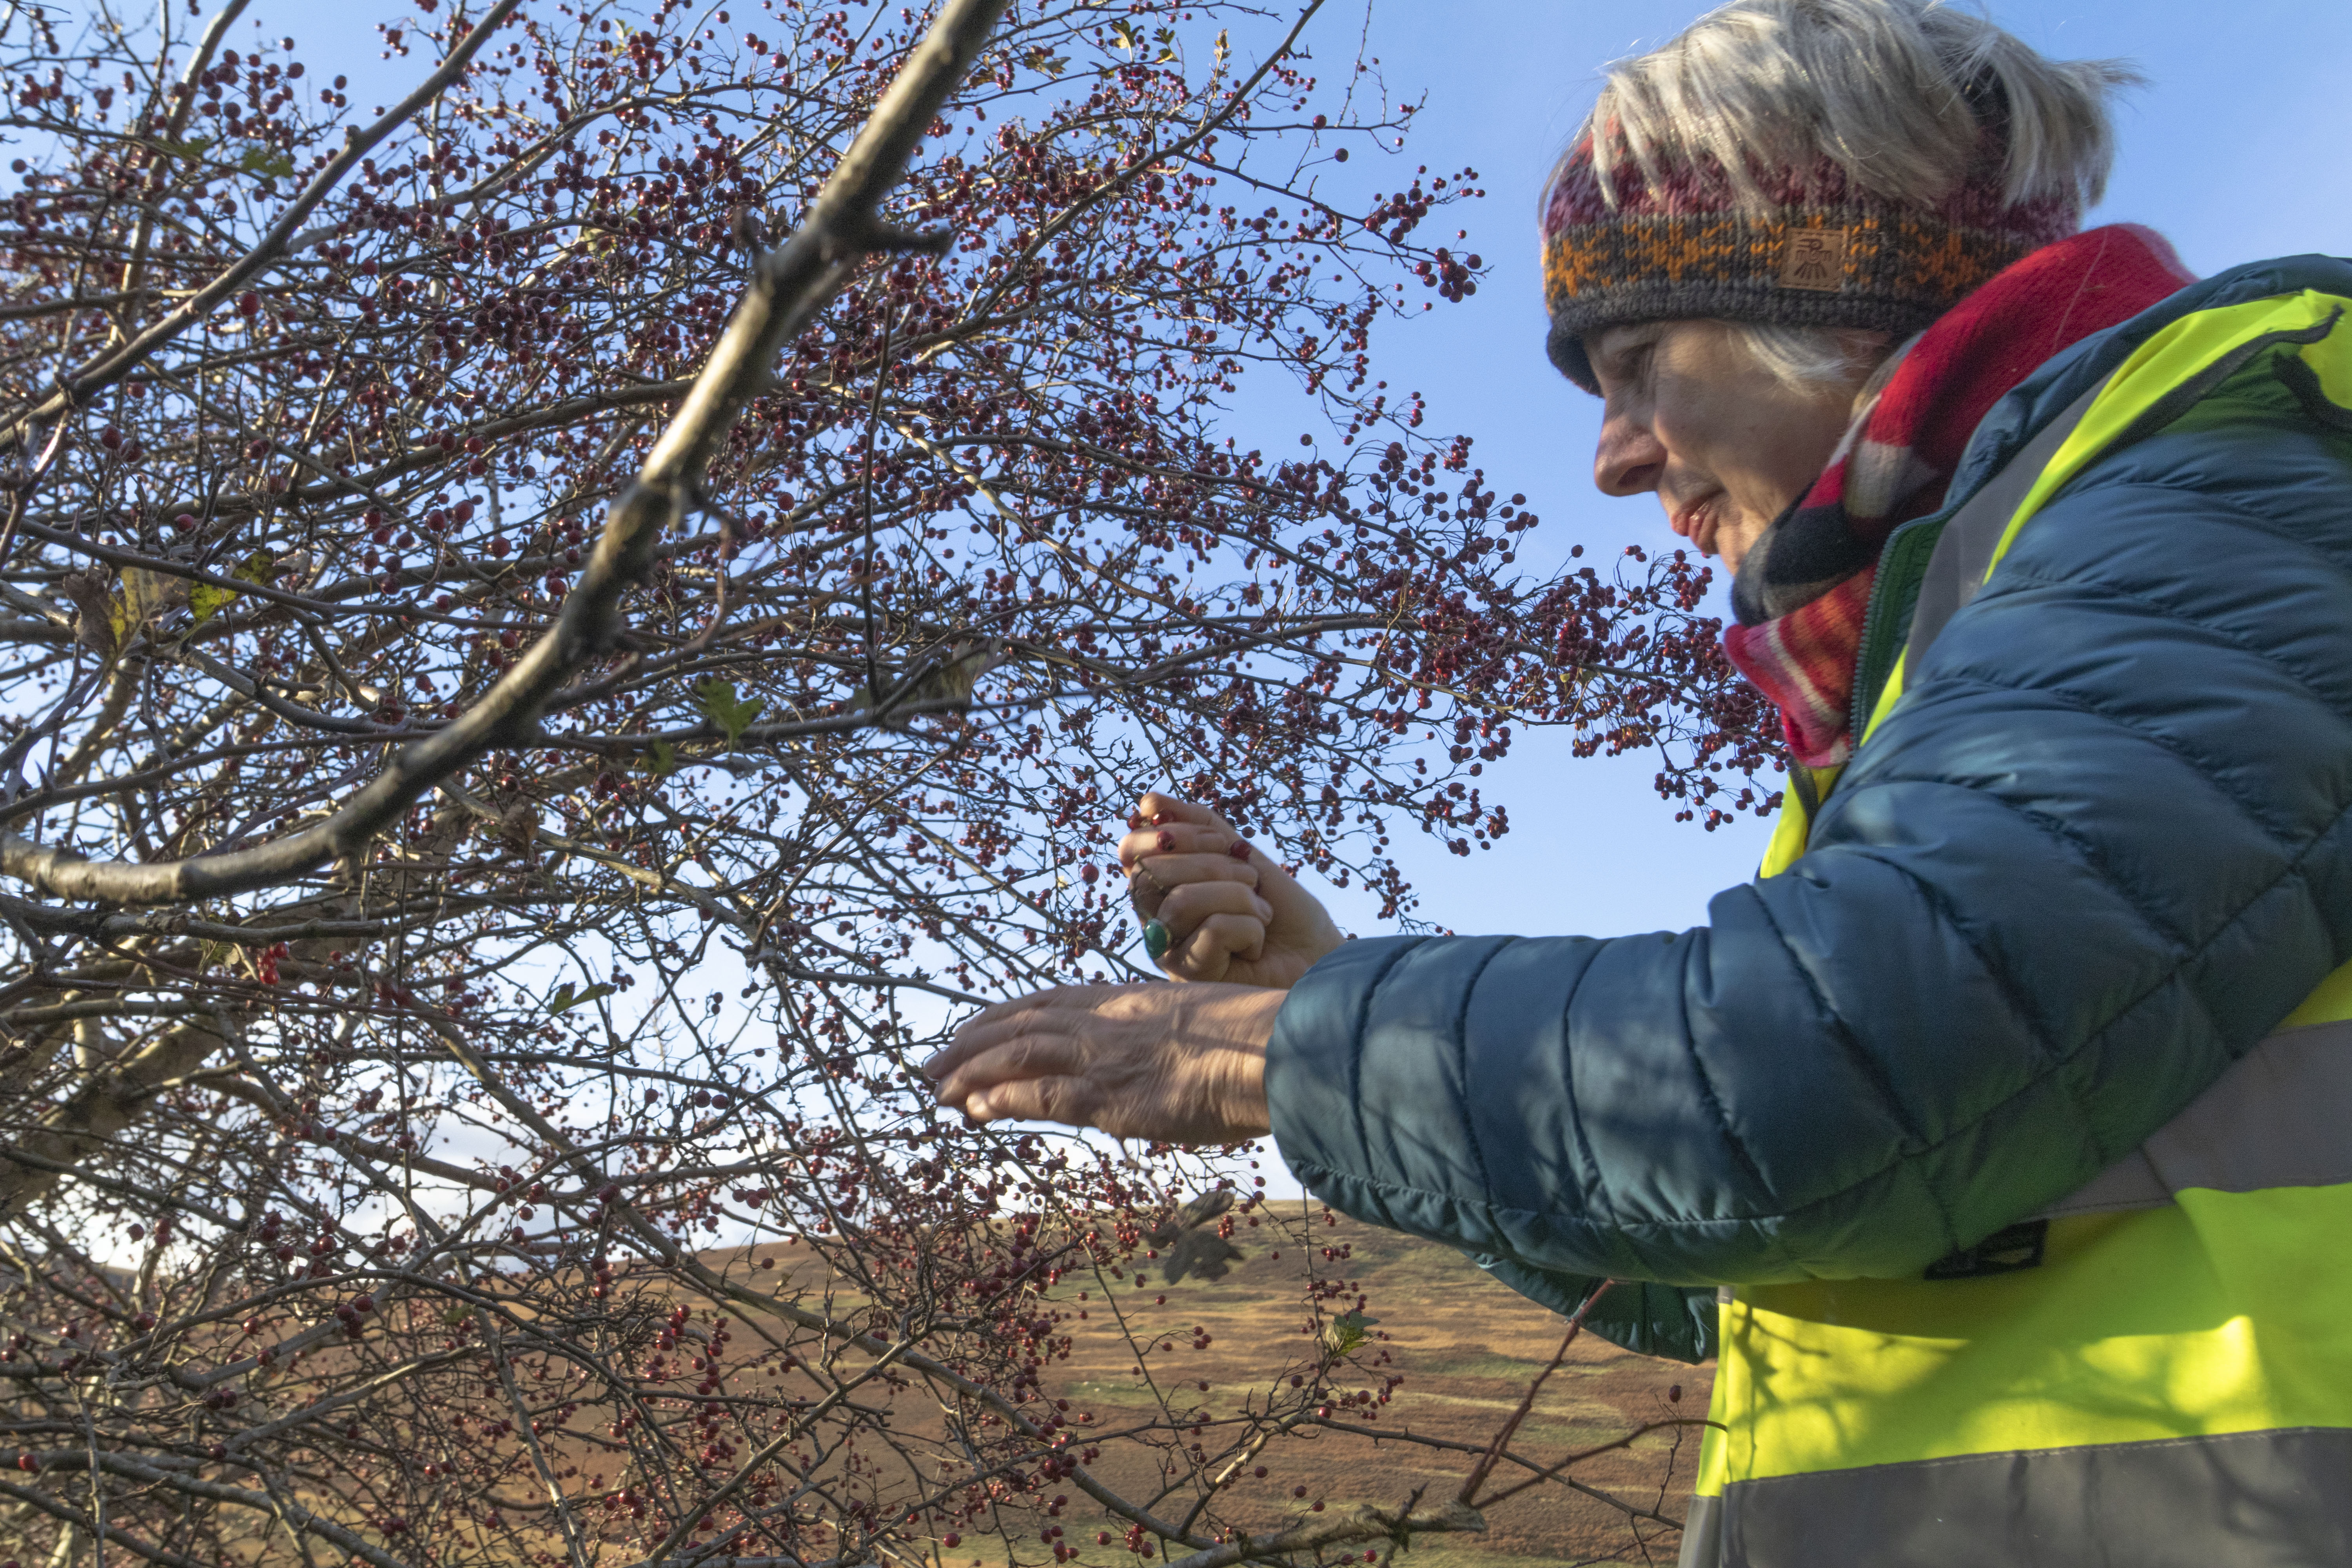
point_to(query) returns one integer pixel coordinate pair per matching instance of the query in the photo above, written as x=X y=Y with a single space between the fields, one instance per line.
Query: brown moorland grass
x=1449 y=1359
x=1466 y=1349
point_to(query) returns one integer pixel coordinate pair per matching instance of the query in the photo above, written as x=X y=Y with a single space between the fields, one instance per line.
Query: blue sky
x=2233 y=149
x=2230 y=149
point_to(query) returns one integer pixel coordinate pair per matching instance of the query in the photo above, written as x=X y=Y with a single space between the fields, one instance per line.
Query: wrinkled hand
x=1172 y=1064
x=1230 y=917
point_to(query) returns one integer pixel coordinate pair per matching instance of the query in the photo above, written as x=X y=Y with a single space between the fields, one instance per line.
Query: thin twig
x=1362 y=1523
x=1468 y=1495
x=75 y=389
x=788 y=287
x=865 y=499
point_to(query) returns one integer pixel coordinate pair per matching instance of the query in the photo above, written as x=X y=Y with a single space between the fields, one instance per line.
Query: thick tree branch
x=110 y=1100
x=788 y=287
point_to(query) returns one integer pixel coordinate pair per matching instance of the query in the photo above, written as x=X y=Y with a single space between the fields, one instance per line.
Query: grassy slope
x=1467 y=1349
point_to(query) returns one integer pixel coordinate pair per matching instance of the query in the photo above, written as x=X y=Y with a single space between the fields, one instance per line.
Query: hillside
x=1466 y=1349
x=1447 y=1359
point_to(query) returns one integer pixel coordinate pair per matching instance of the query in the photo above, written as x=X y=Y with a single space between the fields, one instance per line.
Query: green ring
x=1155 y=939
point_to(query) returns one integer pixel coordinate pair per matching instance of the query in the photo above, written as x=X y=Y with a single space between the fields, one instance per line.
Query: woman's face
x=1725 y=443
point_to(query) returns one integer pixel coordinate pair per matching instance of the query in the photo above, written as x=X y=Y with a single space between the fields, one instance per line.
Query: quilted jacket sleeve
x=2099 y=849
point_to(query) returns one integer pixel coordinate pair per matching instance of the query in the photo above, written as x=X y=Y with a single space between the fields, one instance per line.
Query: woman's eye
x=1629 y=367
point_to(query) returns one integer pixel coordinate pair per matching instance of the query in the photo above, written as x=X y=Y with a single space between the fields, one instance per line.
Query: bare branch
x=82 y=385
x=1361 y=1522
x=791 y=285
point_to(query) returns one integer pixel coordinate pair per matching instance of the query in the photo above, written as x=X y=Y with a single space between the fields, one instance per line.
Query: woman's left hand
x=1171 y=1064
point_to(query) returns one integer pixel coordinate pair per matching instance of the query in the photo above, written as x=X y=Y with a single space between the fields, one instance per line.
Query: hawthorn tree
x=557 y=631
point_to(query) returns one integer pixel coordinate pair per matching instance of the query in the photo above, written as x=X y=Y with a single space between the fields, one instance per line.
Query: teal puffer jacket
x=2101 y=848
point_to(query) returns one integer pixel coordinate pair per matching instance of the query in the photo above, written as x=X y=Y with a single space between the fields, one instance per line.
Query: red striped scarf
x=1805 y=584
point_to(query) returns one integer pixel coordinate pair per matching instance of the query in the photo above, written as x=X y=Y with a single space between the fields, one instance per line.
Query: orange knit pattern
x=1820 y=253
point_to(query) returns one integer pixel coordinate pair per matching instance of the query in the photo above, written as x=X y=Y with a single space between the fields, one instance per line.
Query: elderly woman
x=1998 y=1138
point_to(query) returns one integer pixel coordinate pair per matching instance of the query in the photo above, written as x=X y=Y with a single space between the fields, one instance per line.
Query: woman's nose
x=1628 y=460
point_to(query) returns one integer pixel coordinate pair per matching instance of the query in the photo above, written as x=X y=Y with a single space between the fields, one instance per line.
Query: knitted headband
x=1822 y=253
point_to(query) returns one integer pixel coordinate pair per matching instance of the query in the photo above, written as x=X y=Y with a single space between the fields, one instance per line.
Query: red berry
x=1239 y=849
x=951 y=1539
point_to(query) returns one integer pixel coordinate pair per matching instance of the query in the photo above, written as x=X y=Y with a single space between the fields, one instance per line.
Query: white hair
x=1804 y=358
x=1895 y=92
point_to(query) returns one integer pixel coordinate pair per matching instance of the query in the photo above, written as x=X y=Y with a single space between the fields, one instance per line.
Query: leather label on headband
x=1813 y=258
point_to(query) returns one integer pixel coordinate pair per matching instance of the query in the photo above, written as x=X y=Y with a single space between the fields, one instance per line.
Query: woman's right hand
x=1231 y=917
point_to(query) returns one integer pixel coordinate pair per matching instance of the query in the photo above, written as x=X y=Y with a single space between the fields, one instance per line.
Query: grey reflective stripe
x=2275 y=1118
x=2251 y=1500
x=1702 y=1534
x=1963 y=553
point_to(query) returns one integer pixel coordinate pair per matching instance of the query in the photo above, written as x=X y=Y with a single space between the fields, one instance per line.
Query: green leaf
x=206 y=600
x=190 y=150
x=1347 y=1331
x=262 y=161
x=662 y=760
x=564 y=1000
x=733 y=715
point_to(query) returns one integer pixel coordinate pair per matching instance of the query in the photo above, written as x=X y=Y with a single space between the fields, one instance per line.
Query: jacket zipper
x=1872 y=673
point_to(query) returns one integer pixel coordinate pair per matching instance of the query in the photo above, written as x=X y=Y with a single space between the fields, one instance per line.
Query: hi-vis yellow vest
x=2156 y=1370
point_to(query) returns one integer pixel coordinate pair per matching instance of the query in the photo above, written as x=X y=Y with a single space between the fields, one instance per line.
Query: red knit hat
x=1819 y=251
